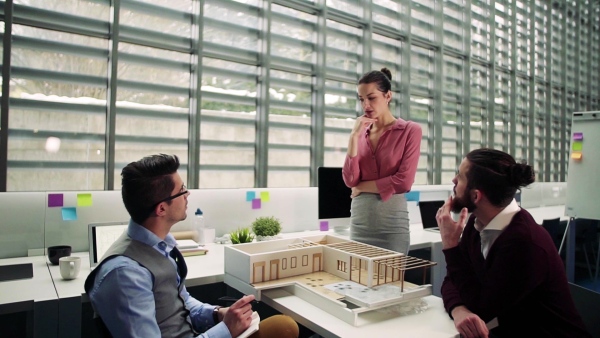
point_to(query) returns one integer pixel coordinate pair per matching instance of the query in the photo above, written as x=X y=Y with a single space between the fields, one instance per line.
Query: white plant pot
x=266 y=238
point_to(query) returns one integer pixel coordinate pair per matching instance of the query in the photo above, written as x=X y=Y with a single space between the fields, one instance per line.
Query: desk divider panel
x=229 y=209
x=36 y=220
x=68 y=214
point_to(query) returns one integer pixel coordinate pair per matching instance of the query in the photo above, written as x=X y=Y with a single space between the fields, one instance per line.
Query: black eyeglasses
x=181 y=193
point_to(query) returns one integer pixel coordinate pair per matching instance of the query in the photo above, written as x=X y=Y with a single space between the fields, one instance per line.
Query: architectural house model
x=344 y=277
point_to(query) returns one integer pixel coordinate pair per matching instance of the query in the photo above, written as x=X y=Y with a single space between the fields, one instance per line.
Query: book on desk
x=189 y=247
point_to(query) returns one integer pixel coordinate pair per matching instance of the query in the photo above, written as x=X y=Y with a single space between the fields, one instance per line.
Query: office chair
x=553 y=226
x=587 y=303
x=102 y=330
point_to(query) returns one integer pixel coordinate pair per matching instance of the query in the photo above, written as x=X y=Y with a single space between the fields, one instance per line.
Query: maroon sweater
x=522 y=282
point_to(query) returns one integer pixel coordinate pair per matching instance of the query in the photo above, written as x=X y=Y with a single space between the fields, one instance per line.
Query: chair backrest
x=101 y=327
x=553 y=226
x=587 y=303
x=586 y=231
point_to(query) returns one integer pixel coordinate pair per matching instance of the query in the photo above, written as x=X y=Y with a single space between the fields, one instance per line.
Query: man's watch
x=216 y=314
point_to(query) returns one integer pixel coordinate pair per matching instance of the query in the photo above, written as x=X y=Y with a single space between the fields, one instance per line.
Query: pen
x=233 y=299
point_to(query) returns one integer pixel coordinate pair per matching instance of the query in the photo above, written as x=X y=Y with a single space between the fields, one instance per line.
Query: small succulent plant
x=241 y=235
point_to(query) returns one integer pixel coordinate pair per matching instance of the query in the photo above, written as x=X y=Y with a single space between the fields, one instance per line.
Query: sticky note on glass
x=578 y=136
x=324 y=225
x=264 y=196
x=55 y=200
x=576 y=155
x=577 y=145
x=412 y=195
x=256 y=203
x=84 y=200
x=69 y=214
x=250 y=196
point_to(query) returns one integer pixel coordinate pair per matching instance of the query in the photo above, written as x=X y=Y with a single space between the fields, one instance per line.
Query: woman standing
x=380 y=166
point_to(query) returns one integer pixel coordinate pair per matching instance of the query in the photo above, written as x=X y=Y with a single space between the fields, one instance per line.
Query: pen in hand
x=233 y=299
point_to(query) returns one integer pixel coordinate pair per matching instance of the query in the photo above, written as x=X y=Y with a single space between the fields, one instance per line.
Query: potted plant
x=266 y=228
x=241 y=235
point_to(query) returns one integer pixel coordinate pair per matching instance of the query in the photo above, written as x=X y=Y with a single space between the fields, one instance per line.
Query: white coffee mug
x=69 y=267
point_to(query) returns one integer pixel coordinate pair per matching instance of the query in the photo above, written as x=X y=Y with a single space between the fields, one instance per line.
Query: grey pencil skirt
x=379 y=223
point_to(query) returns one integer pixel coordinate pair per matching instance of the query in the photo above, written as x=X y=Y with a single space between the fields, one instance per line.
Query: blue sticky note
x=250 y=195
x=69 y=214
x=413 y=196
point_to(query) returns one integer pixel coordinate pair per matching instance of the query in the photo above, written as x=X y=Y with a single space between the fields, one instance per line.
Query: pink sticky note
x=256 y=203
x=578 y=136
x=55 y=200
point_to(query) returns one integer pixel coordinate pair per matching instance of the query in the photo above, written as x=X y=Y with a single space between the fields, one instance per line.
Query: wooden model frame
x=253 y=267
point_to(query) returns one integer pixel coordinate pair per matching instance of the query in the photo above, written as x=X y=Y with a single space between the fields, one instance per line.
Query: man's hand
x=468 y=324
x=449 y=229
x=238 y=316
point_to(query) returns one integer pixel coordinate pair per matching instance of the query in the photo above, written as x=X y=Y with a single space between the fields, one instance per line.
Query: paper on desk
x=187 y=244
x=253 y=326
x=492 y=324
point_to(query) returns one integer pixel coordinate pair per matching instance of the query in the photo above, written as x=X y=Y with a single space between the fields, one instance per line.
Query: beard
x=458 y=203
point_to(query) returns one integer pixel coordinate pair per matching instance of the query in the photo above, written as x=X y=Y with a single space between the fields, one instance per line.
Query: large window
x=257 y=93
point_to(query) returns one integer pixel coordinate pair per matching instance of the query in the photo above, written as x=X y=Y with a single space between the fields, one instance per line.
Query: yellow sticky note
x=264 y=196
x=84 y=200
x=577 y=146
x=576 y=155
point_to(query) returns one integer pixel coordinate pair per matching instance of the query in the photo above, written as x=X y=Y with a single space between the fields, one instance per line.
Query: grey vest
x=171 y=315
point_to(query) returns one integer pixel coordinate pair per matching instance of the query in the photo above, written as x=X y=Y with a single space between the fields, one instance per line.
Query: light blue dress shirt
x=122 y=294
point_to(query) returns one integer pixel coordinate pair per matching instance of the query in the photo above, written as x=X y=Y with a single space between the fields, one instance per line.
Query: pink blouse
x=393 y=165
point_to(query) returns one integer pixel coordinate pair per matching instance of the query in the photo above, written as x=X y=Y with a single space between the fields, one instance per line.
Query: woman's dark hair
x=147 y=181
x=497 y=175
x=383 y=78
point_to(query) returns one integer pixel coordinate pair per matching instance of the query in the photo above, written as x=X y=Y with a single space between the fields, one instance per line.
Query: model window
x=341 y=266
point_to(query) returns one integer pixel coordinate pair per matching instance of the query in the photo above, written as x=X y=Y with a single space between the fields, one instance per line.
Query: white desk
x=432 y=323
x=36 y=295
x=548 y=212
x=68 y=295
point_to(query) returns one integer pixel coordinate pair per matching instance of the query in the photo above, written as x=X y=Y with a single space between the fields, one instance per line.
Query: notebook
x=428 y=211
x=253 y=326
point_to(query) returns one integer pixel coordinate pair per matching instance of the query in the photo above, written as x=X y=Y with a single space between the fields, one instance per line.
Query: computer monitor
x=333 y=198
x=428 y=210
x=101 y=236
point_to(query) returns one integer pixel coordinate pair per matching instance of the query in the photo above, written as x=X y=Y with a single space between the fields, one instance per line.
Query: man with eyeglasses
x=138 y=287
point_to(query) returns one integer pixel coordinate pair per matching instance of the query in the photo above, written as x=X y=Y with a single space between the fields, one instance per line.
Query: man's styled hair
x=497 y=175
x=147 y=181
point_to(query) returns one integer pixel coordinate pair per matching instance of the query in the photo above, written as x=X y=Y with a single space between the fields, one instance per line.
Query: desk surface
x=542 y=213
x=205 y=269
x=431 y=323
x=36 y=289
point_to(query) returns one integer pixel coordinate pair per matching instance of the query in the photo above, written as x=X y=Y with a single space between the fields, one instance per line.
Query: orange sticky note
x=576 y=155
